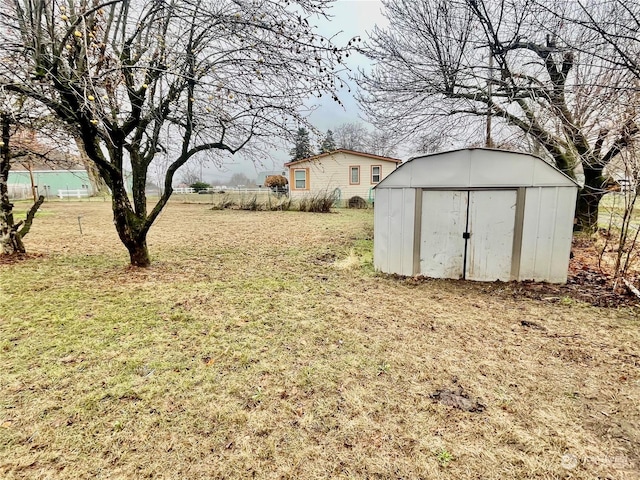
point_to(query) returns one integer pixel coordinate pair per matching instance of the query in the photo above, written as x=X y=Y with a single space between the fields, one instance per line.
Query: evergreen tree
x=302 y=148
x=328 y=143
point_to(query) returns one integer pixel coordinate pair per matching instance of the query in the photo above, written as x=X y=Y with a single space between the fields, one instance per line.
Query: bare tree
x=514 y=62
x=352 y=136
x=614 y=24
x=16 y=146
x=381 y=143
x=138 y=79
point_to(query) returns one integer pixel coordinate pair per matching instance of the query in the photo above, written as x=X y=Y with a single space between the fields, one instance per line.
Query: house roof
x=343 y=150
x=54 y=163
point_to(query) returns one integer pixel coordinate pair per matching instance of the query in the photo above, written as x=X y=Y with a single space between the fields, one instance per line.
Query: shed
x=479 y=214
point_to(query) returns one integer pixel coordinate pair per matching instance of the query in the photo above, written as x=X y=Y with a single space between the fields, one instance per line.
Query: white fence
x=184 y=190
x=19 y=191
x=79 y=193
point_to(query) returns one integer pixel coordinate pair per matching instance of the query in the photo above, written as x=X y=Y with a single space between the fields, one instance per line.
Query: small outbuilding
x=478 y=214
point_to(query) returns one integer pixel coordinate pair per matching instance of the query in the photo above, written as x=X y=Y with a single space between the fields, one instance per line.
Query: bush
x=283 y=204
x=319 y=203
x=275 y=181
x=357 y=202
x=250 y=203
x=198 y=186
x=224 y=203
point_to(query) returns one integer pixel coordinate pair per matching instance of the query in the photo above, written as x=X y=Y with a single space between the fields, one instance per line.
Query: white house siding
x=332 y=171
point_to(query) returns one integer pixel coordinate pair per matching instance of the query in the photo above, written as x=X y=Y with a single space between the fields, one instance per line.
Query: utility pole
x=488 y=141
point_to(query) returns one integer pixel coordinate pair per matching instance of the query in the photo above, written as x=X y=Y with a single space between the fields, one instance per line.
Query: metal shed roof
x=476 y=168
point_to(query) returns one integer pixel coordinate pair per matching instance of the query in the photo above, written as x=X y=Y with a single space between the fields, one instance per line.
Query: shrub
x=275 y=181
x=282 y=204
x=250 y=203
x=224 y=203
x=357 y=202
x=321 y=202
x=198 y=186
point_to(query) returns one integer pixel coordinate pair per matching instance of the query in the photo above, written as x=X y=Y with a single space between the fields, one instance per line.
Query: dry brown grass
x=257 y=347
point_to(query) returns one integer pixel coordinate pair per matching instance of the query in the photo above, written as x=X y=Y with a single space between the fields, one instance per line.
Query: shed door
x=444 y=220
x=467 y=234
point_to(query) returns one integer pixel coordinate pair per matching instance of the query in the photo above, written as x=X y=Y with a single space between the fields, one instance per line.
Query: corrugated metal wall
x=393 y=231
x=546 y=233
x=520 y=195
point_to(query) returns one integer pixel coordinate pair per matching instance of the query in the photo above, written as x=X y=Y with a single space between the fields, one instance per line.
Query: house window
x=375 y=173
x=354 y=175
x=300 y=177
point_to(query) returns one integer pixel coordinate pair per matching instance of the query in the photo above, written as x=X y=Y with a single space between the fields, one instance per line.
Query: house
x=346 y=172
x=478 y=214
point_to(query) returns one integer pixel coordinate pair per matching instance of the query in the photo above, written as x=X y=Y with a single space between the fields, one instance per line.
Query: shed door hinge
x=466 y=235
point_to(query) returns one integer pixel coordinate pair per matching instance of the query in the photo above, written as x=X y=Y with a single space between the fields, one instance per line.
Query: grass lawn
x=263 y=345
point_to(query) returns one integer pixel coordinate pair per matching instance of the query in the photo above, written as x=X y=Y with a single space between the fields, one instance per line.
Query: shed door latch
x=466 y=235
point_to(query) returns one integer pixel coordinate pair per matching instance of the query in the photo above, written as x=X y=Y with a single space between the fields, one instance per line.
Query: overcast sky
x=350 y=18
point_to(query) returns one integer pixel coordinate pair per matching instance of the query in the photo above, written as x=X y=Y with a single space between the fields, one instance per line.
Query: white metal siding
x=491 y=225
x=381 y=232
x=476 y=168
x=394 y=223
x=547 y=233
x=444 y=217
x=566 y=197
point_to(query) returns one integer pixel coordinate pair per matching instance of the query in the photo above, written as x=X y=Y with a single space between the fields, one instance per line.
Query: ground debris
x=534 y=325
x=18 y=257
x=457 y=398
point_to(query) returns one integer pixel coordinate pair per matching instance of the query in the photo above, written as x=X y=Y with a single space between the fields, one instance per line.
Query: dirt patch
x=18 y=257
x=457 y=398
x=587 y=282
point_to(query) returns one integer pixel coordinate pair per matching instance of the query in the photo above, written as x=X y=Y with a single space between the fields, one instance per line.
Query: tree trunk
x=138 y=253
x=9 y=237
x=587 y=211
x=97 y=182
x=589 y=200
x=10 y=240
x=131 y=229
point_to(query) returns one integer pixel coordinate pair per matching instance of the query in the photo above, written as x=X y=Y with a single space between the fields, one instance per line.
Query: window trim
x=351 y=168
x=373 y=182
x=306 y=179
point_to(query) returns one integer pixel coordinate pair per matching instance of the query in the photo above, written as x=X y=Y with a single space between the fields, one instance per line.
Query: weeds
x=383 y=368
x=321 y=202
x=249 y=203
x=444 y=457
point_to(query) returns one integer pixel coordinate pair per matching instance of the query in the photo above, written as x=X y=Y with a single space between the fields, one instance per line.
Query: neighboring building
x=479 y=214
x=62 y=180
x=346 y=172
x=62 y=174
